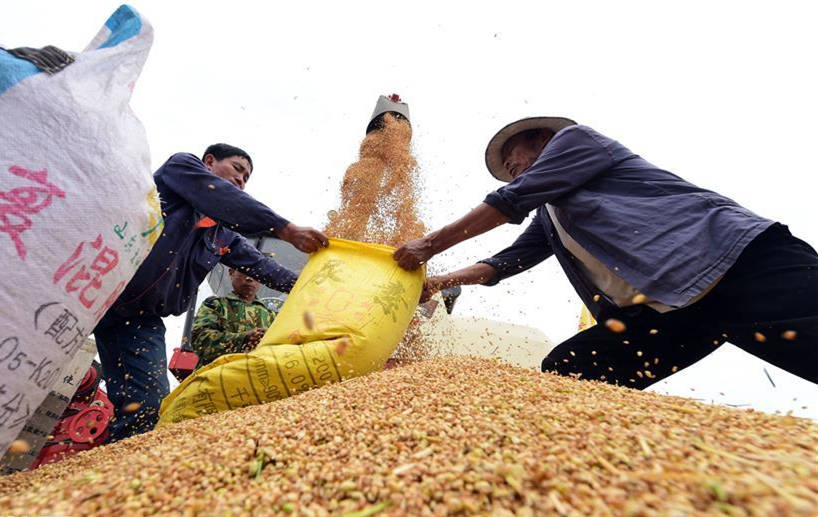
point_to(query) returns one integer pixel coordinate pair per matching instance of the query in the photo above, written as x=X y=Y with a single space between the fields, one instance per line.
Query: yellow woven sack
x=344 y=317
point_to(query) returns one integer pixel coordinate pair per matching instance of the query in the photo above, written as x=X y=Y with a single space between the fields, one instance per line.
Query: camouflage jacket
x=221 y=324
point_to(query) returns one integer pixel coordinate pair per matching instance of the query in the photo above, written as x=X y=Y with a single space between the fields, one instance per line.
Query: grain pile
x=379 y=193
x=413 y=346
x=450 y=436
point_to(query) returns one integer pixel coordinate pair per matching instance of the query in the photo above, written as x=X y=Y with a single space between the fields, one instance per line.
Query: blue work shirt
x=190 y=245
x=664 y=236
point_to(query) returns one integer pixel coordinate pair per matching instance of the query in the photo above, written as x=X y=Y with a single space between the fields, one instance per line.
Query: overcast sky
x=724 y=94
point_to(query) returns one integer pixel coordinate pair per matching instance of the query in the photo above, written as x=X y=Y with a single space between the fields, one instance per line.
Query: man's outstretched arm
x=245 y=258
x=476 y=274
x=576 y=156
x=412 y=254
x=528 y=250
x=221 y=200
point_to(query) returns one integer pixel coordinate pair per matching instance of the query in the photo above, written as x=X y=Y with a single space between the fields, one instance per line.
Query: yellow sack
x=358 y=303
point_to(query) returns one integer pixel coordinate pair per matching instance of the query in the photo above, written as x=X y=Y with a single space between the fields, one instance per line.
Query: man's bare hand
x=414 y=253
x=304 y=238
x=479 y=273
x=432 y=285
x=252 y=338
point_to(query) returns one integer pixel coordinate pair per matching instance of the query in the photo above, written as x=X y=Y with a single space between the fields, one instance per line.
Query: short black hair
x=221 y=151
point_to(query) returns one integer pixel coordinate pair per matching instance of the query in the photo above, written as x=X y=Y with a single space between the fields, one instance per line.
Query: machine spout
x=391 y=104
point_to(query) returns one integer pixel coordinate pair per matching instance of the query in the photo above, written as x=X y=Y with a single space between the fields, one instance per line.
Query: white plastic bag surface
x=78 y=207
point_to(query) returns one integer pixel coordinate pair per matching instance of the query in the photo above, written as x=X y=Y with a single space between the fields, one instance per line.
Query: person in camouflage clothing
x=230 y=324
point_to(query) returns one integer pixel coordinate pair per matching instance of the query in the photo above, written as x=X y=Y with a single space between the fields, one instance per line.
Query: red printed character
x=110 y=300
x=19 y=203
x=87 y=279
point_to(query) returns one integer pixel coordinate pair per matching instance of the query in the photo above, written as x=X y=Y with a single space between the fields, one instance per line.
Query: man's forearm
x=478 y=221
x=479 y=273
x=416 y=252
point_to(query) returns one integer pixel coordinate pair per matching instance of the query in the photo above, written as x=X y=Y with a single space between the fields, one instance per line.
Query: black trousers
x=766 y=304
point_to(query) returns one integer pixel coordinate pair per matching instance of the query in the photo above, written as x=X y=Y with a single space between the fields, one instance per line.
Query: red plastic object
x=182 y=363
x=89 y=424
x=83 y=425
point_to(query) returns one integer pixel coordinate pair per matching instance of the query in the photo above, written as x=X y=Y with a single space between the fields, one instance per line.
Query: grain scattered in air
x=639 y=299
x=614 y=325
x=653 y=332
x=596 y=297
x=789 y=335
x=761 y=338
x=19 y=447
x=132 y=407
x=211 y=186
x=309 y=320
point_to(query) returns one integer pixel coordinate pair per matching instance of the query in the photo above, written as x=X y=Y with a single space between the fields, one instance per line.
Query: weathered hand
x=432 y=285
x=304 y=238
x=414 y=253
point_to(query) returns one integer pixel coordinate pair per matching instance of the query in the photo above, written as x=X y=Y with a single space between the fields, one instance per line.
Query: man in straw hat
x=672 y=270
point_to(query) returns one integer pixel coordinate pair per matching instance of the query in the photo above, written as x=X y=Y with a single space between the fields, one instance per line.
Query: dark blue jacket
x=186 y=251
x=666 y=237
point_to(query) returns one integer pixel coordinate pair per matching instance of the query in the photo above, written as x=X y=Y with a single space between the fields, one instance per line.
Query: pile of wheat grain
x=447 y=436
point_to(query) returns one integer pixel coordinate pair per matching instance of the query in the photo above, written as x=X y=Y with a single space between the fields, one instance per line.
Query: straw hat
x=494 y=158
